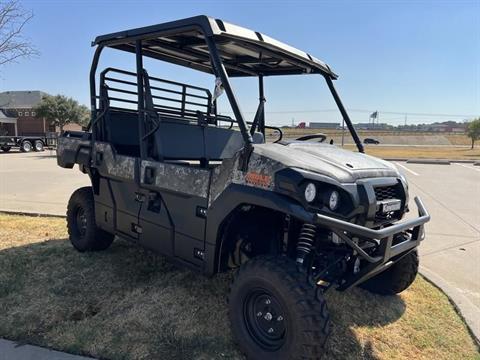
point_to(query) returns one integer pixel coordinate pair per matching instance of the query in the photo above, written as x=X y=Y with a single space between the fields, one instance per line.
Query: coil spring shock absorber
x=305 y=241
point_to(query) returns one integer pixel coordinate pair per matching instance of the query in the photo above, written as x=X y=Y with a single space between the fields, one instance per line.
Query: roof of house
x=244 y=52
x=20 y=99
x=5 y=118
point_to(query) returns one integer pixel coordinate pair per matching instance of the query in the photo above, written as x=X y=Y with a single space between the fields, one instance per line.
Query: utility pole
x=405 y=119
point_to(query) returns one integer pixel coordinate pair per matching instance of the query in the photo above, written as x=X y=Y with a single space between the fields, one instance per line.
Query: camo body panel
x=178 y=178
x=69 y=144
x=116 y=165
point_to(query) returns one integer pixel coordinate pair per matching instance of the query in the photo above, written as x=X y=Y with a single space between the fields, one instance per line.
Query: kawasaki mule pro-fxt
x=295 y=217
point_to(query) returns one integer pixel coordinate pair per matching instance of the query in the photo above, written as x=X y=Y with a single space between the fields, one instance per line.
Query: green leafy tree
x=473 y=130
x=60 y=110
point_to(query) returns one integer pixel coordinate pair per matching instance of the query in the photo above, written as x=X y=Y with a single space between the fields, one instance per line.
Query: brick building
x=18 y=117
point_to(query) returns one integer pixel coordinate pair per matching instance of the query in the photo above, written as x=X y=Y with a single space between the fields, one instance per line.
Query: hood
x=343 y=165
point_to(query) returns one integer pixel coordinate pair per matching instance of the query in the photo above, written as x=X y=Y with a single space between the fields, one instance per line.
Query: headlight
x=310 y=192
x=333 y=200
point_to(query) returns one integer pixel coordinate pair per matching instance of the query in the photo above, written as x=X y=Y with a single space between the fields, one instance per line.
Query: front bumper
x=389 y=249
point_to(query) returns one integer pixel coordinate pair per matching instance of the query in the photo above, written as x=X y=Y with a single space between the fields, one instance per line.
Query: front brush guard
x=387 y=252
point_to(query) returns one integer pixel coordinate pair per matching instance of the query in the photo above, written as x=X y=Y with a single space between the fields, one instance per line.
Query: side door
x=173 y=214
x=118 y=200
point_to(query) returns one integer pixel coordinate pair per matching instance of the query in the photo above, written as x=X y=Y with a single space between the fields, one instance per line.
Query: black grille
x=387 y=192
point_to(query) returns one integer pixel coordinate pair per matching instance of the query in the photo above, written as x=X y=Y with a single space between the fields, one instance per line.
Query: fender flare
x=231 y=198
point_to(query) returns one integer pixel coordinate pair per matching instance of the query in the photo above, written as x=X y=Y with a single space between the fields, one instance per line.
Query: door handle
x=98 y=157
x=154 y=202
x=149 y=176
x=139 y=197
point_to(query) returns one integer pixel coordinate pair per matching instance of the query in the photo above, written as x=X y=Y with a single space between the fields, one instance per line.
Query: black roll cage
x=217 y=66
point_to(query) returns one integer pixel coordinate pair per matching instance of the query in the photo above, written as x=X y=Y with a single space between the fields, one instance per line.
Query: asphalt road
x=450 y=253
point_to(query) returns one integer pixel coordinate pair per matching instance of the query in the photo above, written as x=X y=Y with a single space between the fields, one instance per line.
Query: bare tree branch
x=13 y=45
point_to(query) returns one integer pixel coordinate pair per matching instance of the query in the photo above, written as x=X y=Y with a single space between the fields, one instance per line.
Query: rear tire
x=82 y=229
x=395 y=279
x=6 y=148
x=26 y=146
x=275 y=313
x=38 y=145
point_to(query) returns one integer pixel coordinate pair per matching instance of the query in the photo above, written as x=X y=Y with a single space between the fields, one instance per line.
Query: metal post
x=220 y=71
x=344 y=113
x=93 y=95
x=261 y=97
x=141 y=97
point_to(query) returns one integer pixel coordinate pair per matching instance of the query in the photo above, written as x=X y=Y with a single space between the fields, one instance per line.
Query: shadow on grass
x=128 y=303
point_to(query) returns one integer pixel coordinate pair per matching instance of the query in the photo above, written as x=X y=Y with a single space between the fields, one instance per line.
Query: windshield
x=294 y=107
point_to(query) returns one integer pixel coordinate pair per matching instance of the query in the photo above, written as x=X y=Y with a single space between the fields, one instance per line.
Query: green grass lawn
x=127 y=303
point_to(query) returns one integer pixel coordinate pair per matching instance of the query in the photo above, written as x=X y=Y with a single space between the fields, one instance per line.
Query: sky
x=402 y=58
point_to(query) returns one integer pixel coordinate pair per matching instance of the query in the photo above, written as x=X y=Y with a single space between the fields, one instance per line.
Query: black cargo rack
x=168 y=98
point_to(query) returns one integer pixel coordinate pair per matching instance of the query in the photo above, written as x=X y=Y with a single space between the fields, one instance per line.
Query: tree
x=13 y=45
x=61 y=110
x=473 y=130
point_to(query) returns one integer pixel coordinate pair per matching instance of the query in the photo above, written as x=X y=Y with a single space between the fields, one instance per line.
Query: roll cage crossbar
x=212 y=46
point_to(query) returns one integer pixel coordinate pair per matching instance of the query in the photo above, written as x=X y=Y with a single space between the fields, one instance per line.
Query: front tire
x=275 y=313
x=82 y=229
x=26 y=146
x=395 y=279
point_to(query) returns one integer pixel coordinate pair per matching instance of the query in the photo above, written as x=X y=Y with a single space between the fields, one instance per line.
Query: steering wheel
x=321 y=137
x=278 y=130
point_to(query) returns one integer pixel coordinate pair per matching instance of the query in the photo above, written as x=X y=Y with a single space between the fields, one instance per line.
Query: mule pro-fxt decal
x=260 y=173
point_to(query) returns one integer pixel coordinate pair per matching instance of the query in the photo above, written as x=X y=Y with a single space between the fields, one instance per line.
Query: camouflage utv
x=293 y=217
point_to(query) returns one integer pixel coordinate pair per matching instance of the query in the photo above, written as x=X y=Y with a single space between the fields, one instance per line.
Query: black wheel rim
x=81 y=221
x=265 y=319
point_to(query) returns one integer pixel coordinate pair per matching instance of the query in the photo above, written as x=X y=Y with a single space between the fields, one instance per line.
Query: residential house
x=18 y=117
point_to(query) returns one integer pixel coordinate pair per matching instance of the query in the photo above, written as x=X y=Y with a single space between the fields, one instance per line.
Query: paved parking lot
x=451 y=250
x=32 y=182
x=450 y=254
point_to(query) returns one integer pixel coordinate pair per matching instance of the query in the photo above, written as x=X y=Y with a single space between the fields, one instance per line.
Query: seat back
x=121 y=129
x=181 y=140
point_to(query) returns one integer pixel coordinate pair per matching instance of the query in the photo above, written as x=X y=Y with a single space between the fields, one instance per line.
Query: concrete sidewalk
x=9 y=350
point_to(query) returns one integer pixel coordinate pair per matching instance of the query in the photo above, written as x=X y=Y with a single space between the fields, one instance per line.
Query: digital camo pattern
x=116 y=165
x=179 y=178
x=69 y=144
x=229 y=173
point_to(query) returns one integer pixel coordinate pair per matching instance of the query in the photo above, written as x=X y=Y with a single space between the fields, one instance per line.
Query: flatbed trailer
x=27 y=143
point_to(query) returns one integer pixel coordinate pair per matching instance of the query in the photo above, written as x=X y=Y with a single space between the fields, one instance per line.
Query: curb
x=434 y=161
x=463 y=306
x=30 y=213
x=429 y=161
x=11 y=350
x=395 y=159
